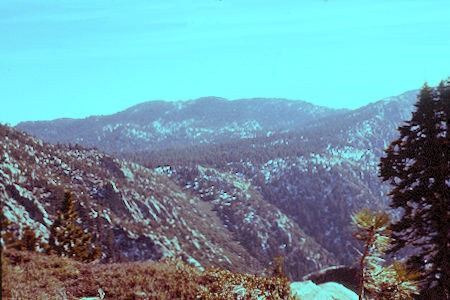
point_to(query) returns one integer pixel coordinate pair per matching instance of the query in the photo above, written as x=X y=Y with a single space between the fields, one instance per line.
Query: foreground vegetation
x=32 y=275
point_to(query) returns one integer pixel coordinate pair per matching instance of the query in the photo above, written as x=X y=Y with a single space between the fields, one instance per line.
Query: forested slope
x=138 y=213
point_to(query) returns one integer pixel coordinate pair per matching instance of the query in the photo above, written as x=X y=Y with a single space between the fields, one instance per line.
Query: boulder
x=307 y=290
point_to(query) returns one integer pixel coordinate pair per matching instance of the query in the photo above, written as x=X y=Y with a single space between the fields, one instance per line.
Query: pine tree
x=371 y=229
x=278 y=268
x=29 y=241
x=417 y=166
x=67 y=238
x=383 y=282
x=6 y=236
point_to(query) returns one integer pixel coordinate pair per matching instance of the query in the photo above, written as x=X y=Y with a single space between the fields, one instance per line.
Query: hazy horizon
x=74 y=59
x=186 y=100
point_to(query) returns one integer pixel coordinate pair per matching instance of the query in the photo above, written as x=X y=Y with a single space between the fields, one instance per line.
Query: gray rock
x=307 y=290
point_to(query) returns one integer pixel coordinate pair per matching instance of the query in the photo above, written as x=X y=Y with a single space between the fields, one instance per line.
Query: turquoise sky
x=78 y=58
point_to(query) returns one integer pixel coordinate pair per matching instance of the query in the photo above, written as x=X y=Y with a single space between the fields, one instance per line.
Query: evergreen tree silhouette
x=67 y=238
x=417 y=166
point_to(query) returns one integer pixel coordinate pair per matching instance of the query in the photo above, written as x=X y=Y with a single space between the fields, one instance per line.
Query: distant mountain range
x=157 y=124
x=247 y=179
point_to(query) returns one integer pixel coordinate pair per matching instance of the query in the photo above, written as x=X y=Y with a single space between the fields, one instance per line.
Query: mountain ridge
x=159 y=124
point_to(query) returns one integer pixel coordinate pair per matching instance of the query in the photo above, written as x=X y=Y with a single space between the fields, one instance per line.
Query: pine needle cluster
x=381 y=281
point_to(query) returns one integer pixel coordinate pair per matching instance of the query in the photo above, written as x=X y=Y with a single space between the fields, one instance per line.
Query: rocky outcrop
x=345 y=275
